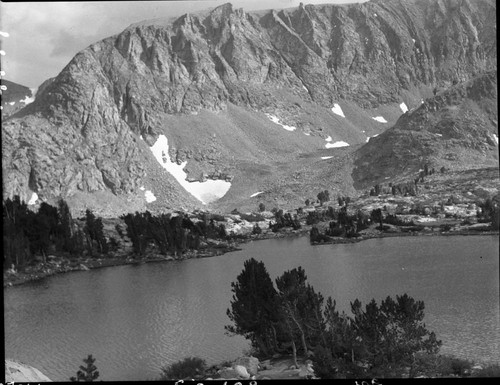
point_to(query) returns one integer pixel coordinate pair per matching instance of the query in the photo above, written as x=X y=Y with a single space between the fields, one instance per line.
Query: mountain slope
x=206 y=82
x=15 y=97
x=456 y=129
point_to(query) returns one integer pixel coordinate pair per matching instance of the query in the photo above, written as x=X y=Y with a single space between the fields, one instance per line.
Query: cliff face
x=456 y=129
x=82 y=133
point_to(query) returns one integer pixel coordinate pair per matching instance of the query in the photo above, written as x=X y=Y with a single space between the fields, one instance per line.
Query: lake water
x=136 y=319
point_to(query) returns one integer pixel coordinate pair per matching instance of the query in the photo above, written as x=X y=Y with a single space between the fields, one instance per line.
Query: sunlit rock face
x=20 y=372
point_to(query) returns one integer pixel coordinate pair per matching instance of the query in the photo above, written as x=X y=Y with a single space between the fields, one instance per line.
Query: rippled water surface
x=136 y=319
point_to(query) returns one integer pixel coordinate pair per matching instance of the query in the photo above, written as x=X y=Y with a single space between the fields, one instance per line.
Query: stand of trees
x=490 y=212
x=377 y=340
x=343 y=224
x=170 y=234
x=28 y=235
x=284 y=220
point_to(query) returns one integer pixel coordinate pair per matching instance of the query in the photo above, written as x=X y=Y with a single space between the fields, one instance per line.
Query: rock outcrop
x=20 y=372
x=456 y=129
x=89 y=129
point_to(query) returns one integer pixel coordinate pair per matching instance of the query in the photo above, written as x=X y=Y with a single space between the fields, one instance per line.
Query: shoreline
x=49 y=269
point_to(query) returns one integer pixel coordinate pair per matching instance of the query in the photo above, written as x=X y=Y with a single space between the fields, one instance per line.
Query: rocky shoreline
x=58 y=265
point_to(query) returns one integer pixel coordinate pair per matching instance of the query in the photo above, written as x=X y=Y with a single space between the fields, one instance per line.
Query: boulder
x=250 y=363
x=241 y=371
x=228 y=373
x=21 y=372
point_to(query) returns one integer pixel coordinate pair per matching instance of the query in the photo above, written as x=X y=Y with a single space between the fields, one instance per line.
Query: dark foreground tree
x=254 y=307
x=392 y=333
x=87 y=373
x=190 y=367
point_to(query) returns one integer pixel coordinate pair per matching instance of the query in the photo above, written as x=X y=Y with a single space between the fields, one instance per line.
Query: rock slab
x=21 y=372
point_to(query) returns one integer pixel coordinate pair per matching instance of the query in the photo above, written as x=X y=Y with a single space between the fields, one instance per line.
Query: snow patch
x=304 y=87
x=337 y=110
x=255 y=194
x=4 y=34
x=149 y=196
x=140 y=137
x=2 y=73
x=403 y=107
x=33 y=199
x=142 y=188
x=380 y=119
x=2 y=52
x=374 y=136
x=413 y=40
x=28 y=99
x=329 y=139
x=337 y=144
x=421 y=101
x=307 y=134
x=12 y=103
x=495 y=136
x=276 y=120
x=326 y=157
x=439 y=135
x=367 y=139
x=3 y=87
x=205 y=192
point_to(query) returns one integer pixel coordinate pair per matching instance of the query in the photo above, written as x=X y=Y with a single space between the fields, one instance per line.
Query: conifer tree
x=253 y=308
x=88 y=373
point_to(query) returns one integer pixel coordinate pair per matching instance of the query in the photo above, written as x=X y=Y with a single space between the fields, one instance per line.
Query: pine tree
x=65 y=228
x=253 y=308
x=87 y=373
x=94 y=229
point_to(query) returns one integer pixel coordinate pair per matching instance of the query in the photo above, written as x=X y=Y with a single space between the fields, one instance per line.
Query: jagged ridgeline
x=251 y=100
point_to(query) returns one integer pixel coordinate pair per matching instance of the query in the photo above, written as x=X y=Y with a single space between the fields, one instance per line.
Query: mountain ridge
x=83 y=132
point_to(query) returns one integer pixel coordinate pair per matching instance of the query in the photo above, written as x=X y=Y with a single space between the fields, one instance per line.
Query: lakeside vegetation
x=375 y=341
x=289 y=318
x=44 y=240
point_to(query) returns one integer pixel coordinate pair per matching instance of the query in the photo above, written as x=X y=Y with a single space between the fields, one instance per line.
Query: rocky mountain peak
x=90 y=130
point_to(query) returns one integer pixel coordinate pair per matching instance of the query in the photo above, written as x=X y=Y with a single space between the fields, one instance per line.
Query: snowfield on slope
x=337 y=110
x=337 y=144
x=374 y=136
x=205 y=192
x=380 y=119
x=403 y=107
x=33 y=199
x=149 y=196
x=276 y=120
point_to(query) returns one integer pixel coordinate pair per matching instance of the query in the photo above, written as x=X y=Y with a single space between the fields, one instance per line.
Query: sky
x=44 y=37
